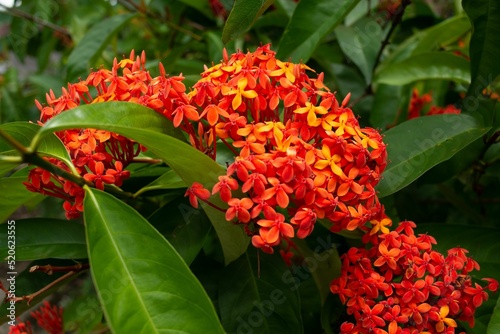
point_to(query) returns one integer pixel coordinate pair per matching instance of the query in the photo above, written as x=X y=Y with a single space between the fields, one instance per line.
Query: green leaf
x=95 y=40
x=417 y=145
x=253 y=303
x=42 y=238
x=431 y=39
x=16 y=195
x=494 y=324
x=169 y=180
x=185 y=227
x=323 y=263
x=387 y=105
x=361 y=43
x=242 y=16
x=23 y=132
x=147 y=127
x=424 y=66
x=310 y=23
x=152 y=289
x=485 y=43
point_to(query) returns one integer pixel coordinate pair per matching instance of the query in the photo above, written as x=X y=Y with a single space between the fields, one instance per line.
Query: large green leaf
x=14 y=194
x=485 y=42
x=242 y=16
x=250 y=302
x=361 y=43
x=23 y=133
x=142 y=282
x=424 y=66
x=92 y=44
x=42 y=238
x=417 y=145
x=146 y=126
x=311 y=21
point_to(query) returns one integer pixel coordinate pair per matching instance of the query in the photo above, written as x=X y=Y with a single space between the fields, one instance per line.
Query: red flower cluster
x=100 y=156
x=48 y=317
x=296 y=148
x=418 y=102
x=400 y=285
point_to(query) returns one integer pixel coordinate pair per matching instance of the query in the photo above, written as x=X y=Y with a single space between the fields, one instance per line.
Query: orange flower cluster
x=100 y=156
x=296 y=148
x=418 y=102
x=400 y=285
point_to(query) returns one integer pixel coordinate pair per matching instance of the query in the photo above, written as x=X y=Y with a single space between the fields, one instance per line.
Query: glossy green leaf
x=485 y=42
x=424 y=66
x=310 y=23
x=15 y=196
x=242 y=16
x=23 y=132
x=95 y=40
x=250 y=302
x=185 y=227
x=417 y=145
x=146 y=126
x=142 y=282
x=42 y=238
x=361 y=43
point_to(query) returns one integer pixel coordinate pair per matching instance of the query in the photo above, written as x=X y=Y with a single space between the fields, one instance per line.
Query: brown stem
x=395 y=21
x=50 y=269
x=30 y=297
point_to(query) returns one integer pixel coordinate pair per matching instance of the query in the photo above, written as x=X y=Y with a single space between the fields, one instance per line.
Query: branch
x=19 y=13
x=50 y=269
x=398 y=16
x=30 y=297
x=130 y=4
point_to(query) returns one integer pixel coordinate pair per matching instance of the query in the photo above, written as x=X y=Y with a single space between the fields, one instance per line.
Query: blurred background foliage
x=388 y=54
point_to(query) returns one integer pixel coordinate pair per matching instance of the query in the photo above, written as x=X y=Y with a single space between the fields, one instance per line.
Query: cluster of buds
x=101 y=156
x=296 y=148
x=399 y=284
